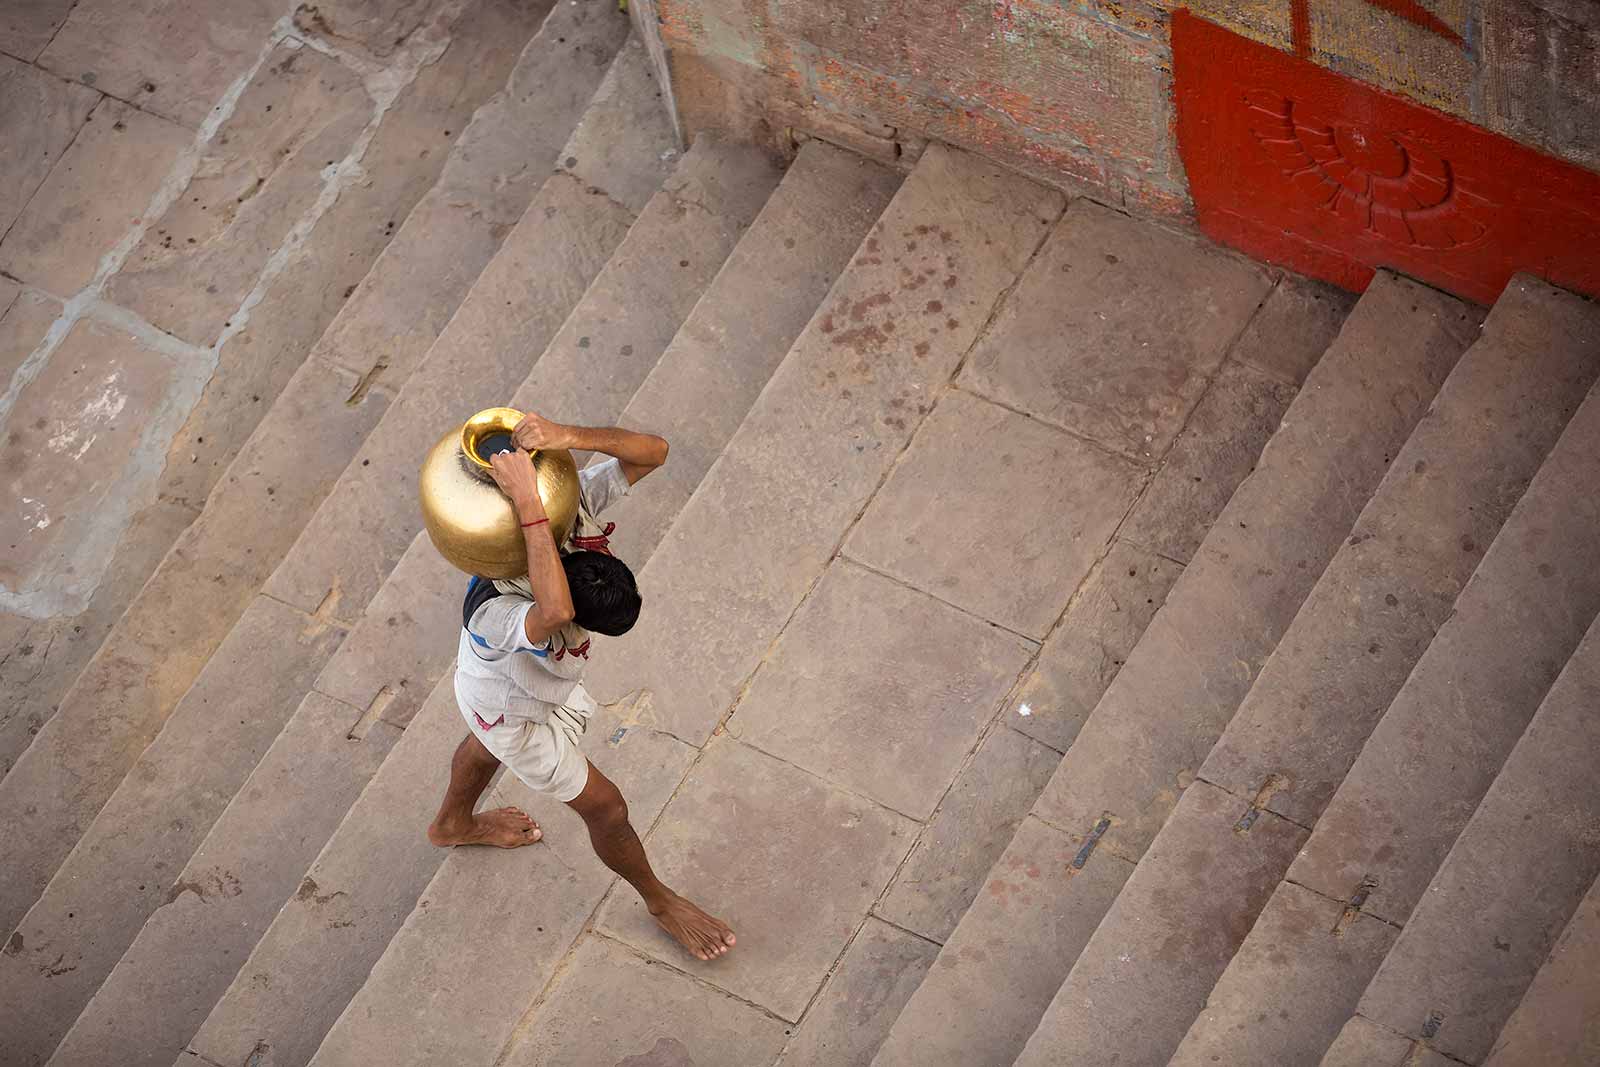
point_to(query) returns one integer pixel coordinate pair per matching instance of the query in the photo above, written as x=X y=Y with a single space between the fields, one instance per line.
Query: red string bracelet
x=535 y=522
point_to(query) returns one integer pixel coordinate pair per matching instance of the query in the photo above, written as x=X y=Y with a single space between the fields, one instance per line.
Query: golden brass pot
x=470 y=521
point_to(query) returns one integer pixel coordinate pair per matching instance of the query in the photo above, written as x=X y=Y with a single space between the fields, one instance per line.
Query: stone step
x=1366 y=1044
x=518 y=305
x=1557 y=1024
x=1015 y=944
x=156 y=650
x=1510 y=884
x=1432 y=756
x=286 y=995
x=1349 y=651
x=419 y=116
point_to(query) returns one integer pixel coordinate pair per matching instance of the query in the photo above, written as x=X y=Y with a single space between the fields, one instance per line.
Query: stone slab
x=1217 y=450
x=1290 y=986
x=38 y=120
x=410 y=1011
x=124 y=866
x=848 y=1020
x=699 y=390
x=1433 y=755
x=890 y=710
x=1473 y=945
x=995 y=976
x=1362 y=1044
x=1116 y=329
x=98 y=190
x=1144 y=975
x=1558 y=1021
x=26 y=26
x=671 y=1018
x=162 y=55
x=517 y=309
x=1083 y=654
x=737 y=802
x=85 y=436
x=309 y=949
x=1233 y=603
x=498 y=164
x=188 y=950
x=157 y=648
x=23 y=324
x=257 y=177
x=1293 y=328
x=975 y=821
x=401 y=164
x=805 y=461
x=997 y=513
x=1395 y=582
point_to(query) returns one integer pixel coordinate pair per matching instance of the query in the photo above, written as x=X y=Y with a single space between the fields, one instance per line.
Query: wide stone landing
x=788 y=861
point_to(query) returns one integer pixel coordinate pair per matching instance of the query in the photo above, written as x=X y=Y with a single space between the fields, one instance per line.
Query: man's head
x=605 y=598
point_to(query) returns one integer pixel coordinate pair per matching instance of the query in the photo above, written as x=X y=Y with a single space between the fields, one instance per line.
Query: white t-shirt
x=498 y=673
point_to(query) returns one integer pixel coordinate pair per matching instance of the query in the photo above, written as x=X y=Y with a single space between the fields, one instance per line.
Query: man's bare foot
x=704 y=937
x=502 y=827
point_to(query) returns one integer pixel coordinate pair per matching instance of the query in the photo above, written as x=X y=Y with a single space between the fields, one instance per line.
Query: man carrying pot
x=523 y=647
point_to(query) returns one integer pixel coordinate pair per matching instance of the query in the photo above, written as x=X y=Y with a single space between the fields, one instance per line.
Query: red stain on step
x=1300 y=166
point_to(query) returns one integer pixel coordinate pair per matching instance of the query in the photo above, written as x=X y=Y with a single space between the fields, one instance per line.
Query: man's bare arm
x=640 y=453
x=552 y=607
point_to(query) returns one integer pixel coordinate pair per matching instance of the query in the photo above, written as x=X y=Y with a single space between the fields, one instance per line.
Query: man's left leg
x=605 y=812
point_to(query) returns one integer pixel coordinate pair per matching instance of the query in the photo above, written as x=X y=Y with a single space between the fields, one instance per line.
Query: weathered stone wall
x=1081 y=92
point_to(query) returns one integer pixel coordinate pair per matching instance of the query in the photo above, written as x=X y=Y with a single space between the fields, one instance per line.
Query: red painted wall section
x=1300 y=166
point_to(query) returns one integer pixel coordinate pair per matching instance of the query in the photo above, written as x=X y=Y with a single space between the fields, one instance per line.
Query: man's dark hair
x=605 y=598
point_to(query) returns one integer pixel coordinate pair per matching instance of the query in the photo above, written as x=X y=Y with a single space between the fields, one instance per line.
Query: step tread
x=251 y=1011
x=1473 y=944
x=139 y=674
x=1195 y=661
x=1349 y=651
x=1432 y=756
x=587 y=228
x=1557 y=1023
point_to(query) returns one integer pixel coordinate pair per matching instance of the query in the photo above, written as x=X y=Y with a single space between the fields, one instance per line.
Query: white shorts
x=544 y=755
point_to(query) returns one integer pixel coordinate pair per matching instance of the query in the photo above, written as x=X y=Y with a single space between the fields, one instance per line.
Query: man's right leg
x=471 y=769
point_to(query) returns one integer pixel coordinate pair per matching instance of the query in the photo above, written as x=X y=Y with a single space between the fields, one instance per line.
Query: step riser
x=1193 y=665
x=564 y=214
x=1557 y=1024
x=1351 y=648
x=148 y=662
x=1432 y=756
x=705 y=359
x=1474 y=943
